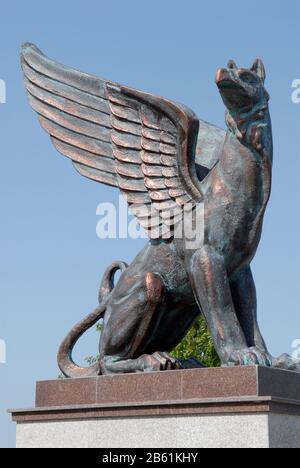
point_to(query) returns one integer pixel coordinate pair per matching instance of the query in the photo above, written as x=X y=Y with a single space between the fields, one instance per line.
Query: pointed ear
x=259 y=68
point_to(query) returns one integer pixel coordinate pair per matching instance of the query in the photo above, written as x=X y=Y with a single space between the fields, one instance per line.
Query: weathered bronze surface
x=164 y=160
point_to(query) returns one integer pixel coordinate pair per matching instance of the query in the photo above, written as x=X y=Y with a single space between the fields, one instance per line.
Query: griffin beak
x=224 y=78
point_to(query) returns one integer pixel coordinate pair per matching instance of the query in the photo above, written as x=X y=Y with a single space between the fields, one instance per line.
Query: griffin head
x=242 y=89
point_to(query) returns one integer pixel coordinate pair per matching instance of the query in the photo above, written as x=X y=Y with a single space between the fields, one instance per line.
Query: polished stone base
x=249 y=407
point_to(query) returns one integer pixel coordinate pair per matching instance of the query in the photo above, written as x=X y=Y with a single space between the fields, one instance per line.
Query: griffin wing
x=142 y=144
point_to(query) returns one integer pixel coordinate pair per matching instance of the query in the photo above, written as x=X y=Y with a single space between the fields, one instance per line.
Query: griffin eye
x=248 y=78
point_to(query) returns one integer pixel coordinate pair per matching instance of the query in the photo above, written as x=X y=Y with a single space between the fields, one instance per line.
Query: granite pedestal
x=242 y=407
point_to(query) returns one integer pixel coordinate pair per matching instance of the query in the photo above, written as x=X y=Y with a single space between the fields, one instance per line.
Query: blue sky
x=51 y=259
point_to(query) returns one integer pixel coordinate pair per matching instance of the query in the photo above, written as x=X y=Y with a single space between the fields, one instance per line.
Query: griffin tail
x=65 y=362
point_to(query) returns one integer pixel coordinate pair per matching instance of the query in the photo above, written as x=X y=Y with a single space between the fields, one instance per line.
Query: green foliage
x=100 y=327
x=91 y=360
x=198 y=344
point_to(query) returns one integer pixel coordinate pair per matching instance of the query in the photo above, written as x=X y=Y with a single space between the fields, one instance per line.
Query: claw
x=250 y=357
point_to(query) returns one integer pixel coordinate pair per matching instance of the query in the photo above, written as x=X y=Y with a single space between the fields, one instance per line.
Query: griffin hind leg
x=130 y=321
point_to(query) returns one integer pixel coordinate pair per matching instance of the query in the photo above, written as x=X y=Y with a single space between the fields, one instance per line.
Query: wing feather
x=70 y=122
x=76 y=139
x=84 y=157
x=61 y=89
x=45 y=66
x=132 y=171
x=124 y=126
x=95 y=174
x=127 y=156
x=66 y=105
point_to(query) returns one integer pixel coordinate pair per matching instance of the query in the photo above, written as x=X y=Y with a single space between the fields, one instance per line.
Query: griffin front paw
x=158 y=362
x=249 y=357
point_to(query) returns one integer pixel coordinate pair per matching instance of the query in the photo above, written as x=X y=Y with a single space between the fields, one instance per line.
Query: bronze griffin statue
x=169 y=166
